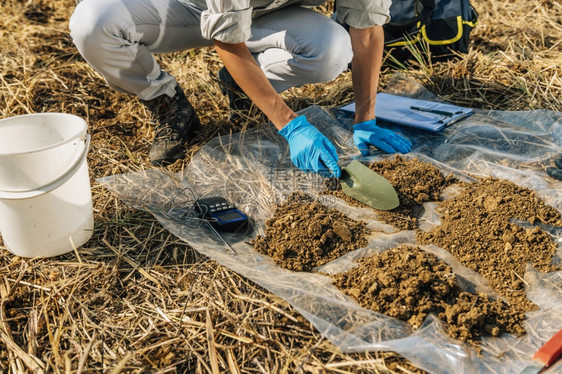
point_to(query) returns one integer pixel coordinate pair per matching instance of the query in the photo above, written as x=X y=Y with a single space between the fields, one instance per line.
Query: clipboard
x=422 y=114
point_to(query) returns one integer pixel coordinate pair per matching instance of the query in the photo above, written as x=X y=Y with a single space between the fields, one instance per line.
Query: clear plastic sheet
x=253 y=170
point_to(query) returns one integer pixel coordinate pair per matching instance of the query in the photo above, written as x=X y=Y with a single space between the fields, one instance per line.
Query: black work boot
x=175 y=122
x=239 y=103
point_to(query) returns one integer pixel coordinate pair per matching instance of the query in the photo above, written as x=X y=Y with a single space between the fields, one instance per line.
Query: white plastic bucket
x=45 y=197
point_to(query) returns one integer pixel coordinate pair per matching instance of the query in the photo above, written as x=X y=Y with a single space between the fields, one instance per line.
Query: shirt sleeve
x=363 y=13
x=228 y=21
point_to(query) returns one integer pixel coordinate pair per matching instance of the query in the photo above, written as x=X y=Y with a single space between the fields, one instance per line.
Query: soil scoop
x=367 y=186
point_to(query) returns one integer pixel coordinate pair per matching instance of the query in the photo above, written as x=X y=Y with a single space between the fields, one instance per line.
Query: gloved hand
x=365 y=133
x=310 y=150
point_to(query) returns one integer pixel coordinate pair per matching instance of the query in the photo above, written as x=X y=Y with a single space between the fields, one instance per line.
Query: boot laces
x=163 y=111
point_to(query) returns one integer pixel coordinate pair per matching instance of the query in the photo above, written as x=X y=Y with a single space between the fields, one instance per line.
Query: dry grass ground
x=135 y=298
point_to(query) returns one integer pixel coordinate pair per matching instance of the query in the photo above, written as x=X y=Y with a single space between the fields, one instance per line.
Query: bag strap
x=427 y=11
x=424 y=17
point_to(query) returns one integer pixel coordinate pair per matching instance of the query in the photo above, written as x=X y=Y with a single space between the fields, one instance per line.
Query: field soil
x=415 y=183
x=476 y=227
x=304 y=234
x=409 y=284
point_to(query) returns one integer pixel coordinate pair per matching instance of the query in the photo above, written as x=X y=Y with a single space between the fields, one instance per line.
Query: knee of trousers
x=330 y=55
x=93 y=24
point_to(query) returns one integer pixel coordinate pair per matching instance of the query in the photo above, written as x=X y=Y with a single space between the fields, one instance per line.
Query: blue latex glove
x=310 y=150
x=366 y=133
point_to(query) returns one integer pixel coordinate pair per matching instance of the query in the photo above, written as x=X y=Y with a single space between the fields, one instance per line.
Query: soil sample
x=477 y=229
x=304 y=234
x=408 y=284
x=415 y=182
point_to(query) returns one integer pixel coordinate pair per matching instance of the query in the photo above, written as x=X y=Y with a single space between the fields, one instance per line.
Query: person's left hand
x=368 y=133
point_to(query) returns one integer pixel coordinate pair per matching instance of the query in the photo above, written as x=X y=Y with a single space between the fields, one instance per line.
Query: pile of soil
x=304 y=234
x=415 y=182
x=408 y=283
x=477 y=229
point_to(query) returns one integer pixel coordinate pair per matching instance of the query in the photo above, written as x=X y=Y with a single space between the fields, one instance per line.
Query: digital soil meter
x=221 y=214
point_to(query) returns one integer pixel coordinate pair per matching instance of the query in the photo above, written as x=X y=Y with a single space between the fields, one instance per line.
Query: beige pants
x=293 y=46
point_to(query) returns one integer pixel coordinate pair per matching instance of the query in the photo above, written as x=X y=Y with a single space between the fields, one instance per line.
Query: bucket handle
x=48 y=187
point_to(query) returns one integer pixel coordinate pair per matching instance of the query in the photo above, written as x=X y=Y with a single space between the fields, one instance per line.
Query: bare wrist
x=362 y=117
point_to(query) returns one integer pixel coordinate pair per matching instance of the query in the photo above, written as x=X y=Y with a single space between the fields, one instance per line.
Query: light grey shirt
x=230 y=21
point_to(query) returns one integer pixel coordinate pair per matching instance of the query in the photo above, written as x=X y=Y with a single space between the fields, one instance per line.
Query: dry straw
x=137 y=299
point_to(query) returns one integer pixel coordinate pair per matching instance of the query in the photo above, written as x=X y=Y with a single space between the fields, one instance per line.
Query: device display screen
x=229 y=216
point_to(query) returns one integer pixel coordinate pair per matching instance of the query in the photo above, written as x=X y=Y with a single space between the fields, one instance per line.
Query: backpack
x=436 y=26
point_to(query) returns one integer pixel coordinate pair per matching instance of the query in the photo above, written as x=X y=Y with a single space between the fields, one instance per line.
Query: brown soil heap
x=415 y=182
x=304 y=234
x=476 y=229
x=408 y=283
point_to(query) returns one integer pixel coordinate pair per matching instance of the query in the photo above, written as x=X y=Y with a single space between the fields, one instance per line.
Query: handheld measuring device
x=220 y=213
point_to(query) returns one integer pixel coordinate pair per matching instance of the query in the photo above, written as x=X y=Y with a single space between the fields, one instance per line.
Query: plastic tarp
x=253 y=170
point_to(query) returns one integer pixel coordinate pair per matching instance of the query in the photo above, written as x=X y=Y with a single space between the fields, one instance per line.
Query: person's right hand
x=368 y=133
x=310 y=150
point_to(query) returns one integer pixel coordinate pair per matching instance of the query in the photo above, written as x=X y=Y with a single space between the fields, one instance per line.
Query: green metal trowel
x=367 y=186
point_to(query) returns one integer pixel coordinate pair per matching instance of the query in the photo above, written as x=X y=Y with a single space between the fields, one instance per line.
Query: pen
x=435 y=111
